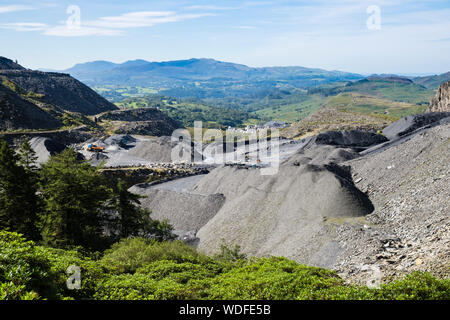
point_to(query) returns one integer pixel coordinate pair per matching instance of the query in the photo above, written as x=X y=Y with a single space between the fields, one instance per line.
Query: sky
x=388 y=36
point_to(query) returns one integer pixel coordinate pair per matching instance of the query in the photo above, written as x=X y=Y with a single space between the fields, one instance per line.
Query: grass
x=292 y=112
x=372 y=105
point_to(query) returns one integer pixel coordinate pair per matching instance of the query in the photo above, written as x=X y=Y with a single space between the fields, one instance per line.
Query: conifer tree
x=18 y=198
x=74 y=195
x=132 y=220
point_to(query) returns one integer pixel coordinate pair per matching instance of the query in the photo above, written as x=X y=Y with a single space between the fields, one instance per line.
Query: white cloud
x=13 y=8
x=141 y=19
x=64 y=31
x=206 y=7
x=24 y=26
x=105 y=26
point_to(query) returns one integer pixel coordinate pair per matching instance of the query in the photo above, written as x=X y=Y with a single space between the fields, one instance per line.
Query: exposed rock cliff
x=441 y=102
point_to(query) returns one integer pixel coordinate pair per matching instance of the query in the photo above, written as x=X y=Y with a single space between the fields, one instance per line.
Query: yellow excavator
x=94 y=148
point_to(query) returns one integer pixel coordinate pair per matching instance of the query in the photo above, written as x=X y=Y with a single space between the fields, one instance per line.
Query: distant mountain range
x=174 y=73
x=209 y=79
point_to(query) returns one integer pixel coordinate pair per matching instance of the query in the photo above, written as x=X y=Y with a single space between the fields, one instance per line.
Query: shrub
x=24 y=269
x=417 y=286
x=91 y=272
x=272 y=278
x=130 y=254
x=142 y=287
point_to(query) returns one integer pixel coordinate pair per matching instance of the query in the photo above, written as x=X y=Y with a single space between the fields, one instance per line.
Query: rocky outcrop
x=409 y=124
x=441 y=102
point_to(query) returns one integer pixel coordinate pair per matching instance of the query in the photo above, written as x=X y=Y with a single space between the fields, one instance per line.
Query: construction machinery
x=94 y=148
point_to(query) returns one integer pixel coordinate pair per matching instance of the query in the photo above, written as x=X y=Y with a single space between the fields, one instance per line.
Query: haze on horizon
x=388 y=36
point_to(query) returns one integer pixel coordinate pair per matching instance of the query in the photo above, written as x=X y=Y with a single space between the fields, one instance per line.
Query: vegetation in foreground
x=76 y=219
x=141 y=269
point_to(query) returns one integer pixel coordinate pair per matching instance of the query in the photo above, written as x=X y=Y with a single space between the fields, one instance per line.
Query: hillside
x=33 y=100
x=186 y=111
x=142 y=121
x=16 y=113
x=7 y=64
x=387 y=97
x=433 y=82
x=55 y=88
x=329 y=119
x=396 y=89
x=61 y=90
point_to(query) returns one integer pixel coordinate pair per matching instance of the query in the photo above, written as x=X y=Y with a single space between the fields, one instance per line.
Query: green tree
x=18 y=199
x=27 y=157
x=74 y=195
x=131 y=220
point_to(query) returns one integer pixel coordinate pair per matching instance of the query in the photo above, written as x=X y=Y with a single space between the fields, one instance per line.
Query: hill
x=197 y=78
x=390 y=97
x=7 y=64
x=61 y=90
x=142 y=121
x=397 y=89
x=16 y=113
x=35 y=100
x=331 y=119
x=140 y=72
x=186 y=111
x=433 y=82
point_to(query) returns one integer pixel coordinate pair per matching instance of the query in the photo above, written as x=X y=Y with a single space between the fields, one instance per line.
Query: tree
x=74 y=195
x=131 y=220
x=27 y=157
x=19 y=203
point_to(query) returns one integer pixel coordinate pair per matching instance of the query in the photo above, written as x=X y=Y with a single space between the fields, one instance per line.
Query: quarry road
x=180 y=185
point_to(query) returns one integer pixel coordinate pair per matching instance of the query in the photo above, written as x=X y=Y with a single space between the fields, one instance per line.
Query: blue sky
x=413 y=36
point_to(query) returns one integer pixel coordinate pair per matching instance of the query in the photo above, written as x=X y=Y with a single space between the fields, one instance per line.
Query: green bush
x=24 y=269
x=91 y=272
x=130 y=254
x=272 y=278
x=140 y=269
x=417 y=286
x=142 y=287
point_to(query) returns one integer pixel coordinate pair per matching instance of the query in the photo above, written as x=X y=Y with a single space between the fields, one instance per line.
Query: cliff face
x=441 y=102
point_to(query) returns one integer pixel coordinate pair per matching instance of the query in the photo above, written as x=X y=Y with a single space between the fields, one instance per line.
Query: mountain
x=433 y=82
x=441 y=102
x=201 y=77
x=56 y=89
